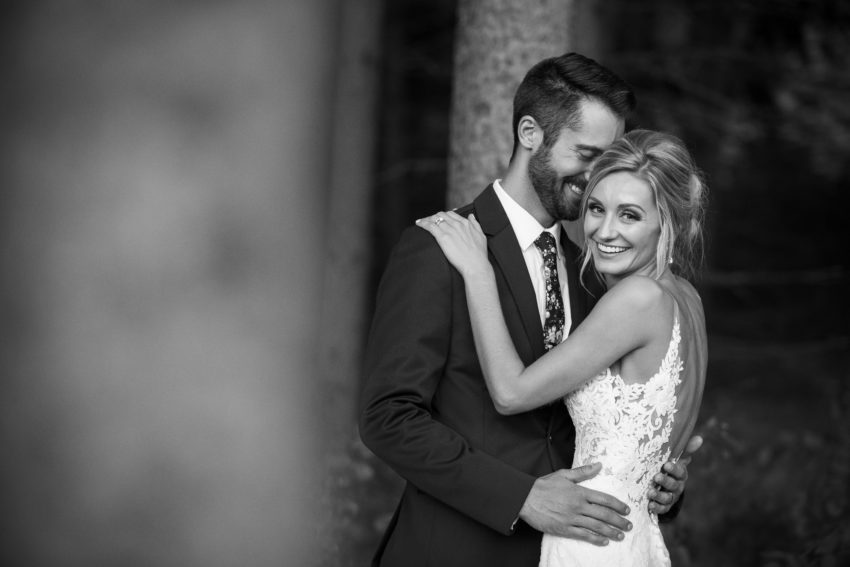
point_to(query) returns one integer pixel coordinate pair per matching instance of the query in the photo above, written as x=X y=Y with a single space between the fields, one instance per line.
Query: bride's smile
x=605 y=249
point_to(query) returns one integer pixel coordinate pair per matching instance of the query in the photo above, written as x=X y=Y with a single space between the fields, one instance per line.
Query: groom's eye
x=586 y=154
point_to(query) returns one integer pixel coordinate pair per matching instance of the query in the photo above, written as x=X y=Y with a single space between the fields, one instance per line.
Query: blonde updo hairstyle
x=663 y=162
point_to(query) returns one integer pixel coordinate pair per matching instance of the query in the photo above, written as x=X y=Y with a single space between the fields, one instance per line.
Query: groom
x=482 y=487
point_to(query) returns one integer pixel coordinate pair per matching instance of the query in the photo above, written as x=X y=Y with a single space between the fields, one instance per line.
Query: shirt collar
x=525 y=226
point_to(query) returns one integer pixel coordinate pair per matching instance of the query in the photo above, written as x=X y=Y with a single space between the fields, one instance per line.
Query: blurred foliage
x=781 y=503
x=360 y=497
x=759 y=90
x=742 y=72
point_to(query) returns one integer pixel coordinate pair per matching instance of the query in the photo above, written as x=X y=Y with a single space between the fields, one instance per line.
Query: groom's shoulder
x=416 y=242
x=486 y=201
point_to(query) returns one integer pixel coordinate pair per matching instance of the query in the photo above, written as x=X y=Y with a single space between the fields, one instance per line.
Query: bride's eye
x=631 y=216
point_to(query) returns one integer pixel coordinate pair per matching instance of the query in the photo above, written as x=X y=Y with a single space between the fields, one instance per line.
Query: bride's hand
x=462 y=241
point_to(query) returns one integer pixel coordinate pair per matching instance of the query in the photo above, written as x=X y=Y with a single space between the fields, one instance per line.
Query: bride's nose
x=607 y=229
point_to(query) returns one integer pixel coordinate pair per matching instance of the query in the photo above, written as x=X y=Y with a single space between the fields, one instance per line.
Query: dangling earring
x=670 y=259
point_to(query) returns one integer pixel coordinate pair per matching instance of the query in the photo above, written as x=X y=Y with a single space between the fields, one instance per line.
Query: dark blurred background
x=197 y=201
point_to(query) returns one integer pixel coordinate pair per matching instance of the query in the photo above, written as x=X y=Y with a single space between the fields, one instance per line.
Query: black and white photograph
x=415 y=283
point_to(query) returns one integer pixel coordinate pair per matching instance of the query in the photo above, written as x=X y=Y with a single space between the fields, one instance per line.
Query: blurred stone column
x=164 y=199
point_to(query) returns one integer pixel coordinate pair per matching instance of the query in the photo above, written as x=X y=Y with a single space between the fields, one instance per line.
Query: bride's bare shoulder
x=636 y=293
x=639 y=304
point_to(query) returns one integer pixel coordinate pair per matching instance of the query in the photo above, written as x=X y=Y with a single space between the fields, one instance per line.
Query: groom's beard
x=561 y=202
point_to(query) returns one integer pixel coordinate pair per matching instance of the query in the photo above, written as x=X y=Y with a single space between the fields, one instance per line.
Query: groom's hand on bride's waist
x=670 y=482
x=558 y=505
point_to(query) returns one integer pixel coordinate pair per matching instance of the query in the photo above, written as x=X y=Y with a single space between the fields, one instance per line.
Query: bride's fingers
x=431 y=224
x=450 y=224
x=441 y=219
x=469 y=221
x=432 y=221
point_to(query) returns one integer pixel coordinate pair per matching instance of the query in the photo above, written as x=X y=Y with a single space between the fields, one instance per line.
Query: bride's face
x=622 y=227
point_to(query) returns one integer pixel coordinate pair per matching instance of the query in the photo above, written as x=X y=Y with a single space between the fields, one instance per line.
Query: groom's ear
x=529 y=133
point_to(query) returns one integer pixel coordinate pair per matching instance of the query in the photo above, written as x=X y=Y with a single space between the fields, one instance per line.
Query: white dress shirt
x=527 y=229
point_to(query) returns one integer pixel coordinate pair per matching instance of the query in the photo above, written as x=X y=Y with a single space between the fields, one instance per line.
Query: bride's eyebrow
x=623 y=206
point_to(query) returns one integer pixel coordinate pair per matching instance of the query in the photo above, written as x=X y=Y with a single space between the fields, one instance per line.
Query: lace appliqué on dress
x=627 y=427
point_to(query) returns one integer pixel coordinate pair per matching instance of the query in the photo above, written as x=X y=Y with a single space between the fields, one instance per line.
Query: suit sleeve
x=406 y=356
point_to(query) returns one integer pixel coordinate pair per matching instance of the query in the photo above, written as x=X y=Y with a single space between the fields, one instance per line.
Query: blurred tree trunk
x=497 y=42
x=586 y=25
x=347 y=249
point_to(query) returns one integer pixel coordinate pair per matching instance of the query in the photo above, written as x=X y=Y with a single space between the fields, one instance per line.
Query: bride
x=632 y=374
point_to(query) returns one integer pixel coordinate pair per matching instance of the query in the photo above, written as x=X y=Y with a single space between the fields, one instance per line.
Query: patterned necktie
x=553 y=326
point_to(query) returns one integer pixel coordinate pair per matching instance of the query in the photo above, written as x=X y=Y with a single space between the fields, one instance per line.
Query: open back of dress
x=633 y=429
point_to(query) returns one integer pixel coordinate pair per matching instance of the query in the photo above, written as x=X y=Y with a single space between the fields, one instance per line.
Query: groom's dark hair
x=552 y=89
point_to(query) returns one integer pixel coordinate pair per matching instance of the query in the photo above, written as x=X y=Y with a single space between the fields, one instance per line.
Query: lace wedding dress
x=627 y=428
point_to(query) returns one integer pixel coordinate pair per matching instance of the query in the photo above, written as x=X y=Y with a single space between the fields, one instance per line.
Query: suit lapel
x=508 y=261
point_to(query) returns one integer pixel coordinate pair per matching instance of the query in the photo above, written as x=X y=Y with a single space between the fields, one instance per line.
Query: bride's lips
x=609 y=249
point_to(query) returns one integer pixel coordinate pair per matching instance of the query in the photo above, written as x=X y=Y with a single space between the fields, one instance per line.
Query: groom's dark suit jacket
x=425 y=409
